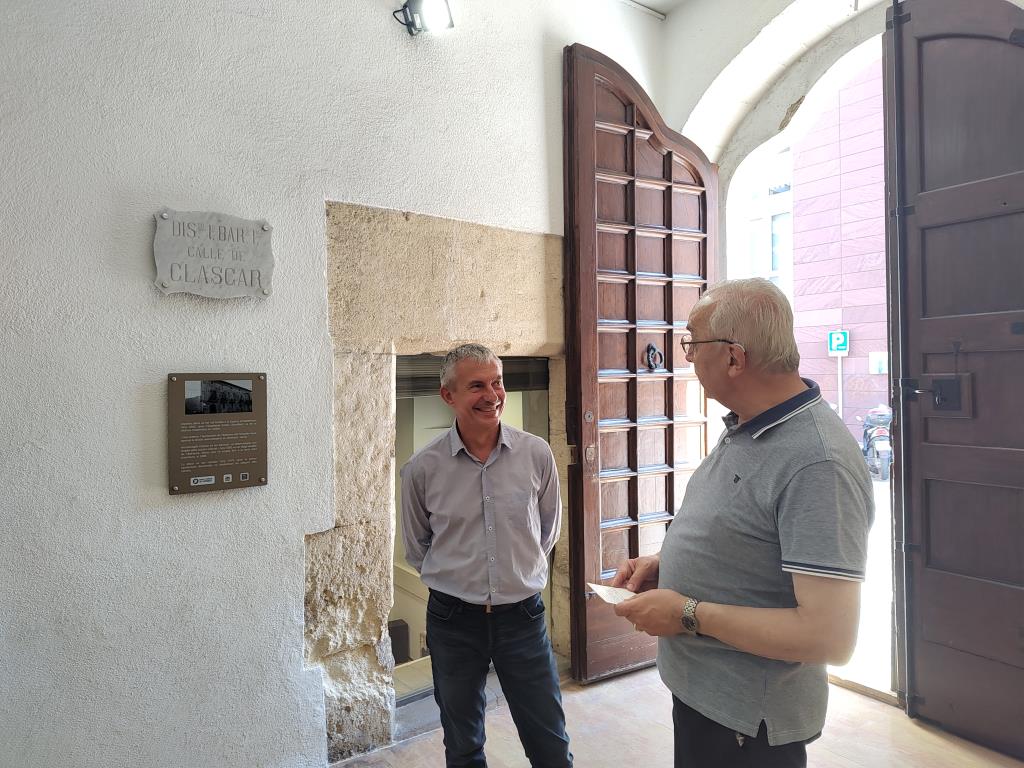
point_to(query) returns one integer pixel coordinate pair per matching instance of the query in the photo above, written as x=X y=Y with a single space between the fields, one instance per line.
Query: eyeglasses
x=689 y=345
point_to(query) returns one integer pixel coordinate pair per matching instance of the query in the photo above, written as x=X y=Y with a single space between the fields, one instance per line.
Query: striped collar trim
x=777 y=414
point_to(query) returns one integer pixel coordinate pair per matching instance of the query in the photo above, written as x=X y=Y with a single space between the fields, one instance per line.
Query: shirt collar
x=504 y=438
x=777 y=414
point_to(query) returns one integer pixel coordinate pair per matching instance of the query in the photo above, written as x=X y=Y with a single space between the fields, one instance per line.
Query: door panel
x=954 y=107
x=640 y=213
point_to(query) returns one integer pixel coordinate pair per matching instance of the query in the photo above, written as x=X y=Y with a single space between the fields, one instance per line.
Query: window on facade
x=782 y=240
x=780 y=173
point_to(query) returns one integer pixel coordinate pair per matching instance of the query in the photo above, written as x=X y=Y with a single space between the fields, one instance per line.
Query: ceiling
x=661 y=6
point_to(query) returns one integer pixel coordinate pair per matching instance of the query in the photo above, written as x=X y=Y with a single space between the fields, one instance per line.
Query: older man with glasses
x=757 y=586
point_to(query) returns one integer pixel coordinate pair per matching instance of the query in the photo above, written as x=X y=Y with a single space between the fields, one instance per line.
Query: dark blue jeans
x=463 y=641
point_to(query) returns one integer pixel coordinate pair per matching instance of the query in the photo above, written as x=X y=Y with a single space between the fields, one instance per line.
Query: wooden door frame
x=895 y=256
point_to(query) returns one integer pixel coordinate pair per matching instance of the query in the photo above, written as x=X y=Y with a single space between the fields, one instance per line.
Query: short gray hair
x=756 y=314
x=476 y=352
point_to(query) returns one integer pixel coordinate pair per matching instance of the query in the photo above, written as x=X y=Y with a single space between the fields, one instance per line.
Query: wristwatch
x=690 y=623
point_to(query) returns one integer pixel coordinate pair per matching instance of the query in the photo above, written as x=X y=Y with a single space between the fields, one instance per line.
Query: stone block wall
x=398 y=284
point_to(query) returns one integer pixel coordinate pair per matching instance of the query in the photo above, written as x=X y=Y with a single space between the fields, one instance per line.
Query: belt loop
x=488 y=609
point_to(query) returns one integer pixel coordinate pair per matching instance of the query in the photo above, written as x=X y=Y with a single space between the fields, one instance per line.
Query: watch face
x=690 y=623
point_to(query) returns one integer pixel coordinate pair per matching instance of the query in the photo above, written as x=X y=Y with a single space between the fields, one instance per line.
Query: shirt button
x=492 y=558
x=490 y=527
x=487 y=498
x=728 y=440
x=494 y=589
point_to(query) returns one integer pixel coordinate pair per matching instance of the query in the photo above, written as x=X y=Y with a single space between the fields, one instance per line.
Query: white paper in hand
x=611 y=595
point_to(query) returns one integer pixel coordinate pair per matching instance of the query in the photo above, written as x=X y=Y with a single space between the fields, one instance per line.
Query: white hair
x=755 y=314
x=476 y=352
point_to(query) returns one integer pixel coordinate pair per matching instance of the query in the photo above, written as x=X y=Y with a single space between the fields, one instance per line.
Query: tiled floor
x=628 y=721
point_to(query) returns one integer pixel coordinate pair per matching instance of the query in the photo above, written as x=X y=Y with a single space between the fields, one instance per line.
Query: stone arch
x=765 y=99
x=755 y=95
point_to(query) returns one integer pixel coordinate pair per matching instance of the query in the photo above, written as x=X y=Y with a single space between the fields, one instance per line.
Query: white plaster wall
x=140 y=629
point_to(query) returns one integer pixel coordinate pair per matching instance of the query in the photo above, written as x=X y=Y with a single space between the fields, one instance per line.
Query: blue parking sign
x=838 y=343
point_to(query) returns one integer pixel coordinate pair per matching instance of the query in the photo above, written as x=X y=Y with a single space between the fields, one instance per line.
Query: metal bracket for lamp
x=424 y=15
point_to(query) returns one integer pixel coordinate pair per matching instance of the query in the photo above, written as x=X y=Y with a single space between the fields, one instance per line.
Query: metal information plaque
x=216 y=431
x=212 y=254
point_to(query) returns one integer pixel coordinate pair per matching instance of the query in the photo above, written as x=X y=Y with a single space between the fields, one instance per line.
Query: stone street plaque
x=216 y=431
x=212 y=254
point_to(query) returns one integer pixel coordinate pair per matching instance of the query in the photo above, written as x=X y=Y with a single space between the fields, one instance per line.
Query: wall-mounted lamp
x=425 y=15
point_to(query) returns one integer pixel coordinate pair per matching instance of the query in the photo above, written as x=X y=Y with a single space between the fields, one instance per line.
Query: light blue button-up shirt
x=482 y=531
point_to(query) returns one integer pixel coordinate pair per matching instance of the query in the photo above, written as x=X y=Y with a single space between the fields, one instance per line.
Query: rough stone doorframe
x=401 y=283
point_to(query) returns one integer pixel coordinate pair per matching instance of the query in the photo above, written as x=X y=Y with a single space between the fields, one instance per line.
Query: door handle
x=950 y=394
x=937 y=397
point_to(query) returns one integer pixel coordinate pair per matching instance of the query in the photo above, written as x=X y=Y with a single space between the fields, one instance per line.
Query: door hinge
x=903 y=210
x=900 y=17
x=904 y=388
x=906 y=700
x=574 y=455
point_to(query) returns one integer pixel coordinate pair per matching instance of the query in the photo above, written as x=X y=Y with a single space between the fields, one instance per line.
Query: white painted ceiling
x=661 y=6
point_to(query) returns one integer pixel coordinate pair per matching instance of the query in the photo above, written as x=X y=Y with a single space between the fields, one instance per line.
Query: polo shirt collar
x=775 y=415
x=504 y=438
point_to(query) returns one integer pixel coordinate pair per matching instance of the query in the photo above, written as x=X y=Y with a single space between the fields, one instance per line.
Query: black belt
x=446 y=599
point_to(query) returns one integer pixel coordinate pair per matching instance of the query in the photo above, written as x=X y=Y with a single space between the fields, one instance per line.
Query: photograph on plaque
x=216 y=431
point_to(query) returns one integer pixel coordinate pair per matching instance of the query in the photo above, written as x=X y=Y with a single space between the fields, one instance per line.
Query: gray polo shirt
x=482 y=531
x=786 y=492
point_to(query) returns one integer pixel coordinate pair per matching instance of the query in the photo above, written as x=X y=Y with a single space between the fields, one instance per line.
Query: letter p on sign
x=838 y=343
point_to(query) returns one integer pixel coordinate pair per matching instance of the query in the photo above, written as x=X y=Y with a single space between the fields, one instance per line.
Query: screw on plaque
x=588 y=416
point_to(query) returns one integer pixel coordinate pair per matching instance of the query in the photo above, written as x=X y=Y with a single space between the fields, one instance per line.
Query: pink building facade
x=839 y=279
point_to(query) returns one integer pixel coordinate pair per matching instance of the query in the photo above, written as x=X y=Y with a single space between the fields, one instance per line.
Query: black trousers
x=703 y=743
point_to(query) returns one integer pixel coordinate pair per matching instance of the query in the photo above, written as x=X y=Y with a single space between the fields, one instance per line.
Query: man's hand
x=639 y=574
x=657 y=612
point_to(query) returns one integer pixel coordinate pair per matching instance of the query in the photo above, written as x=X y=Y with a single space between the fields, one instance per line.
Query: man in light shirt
x=758 y=580
x=480 y=514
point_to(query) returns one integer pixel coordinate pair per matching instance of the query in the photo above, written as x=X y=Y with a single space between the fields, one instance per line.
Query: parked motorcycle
x=875 y=442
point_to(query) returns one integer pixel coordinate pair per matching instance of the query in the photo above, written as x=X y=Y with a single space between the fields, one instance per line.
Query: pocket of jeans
x=519 y=508
x=438 y=610
x=533 y=608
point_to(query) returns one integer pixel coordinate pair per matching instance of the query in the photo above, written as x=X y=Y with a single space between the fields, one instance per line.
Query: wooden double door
x=955 y=119
x=640 y=227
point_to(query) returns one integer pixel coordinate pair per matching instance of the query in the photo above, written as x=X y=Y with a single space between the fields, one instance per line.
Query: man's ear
x=447 y=396
x=737 y=360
